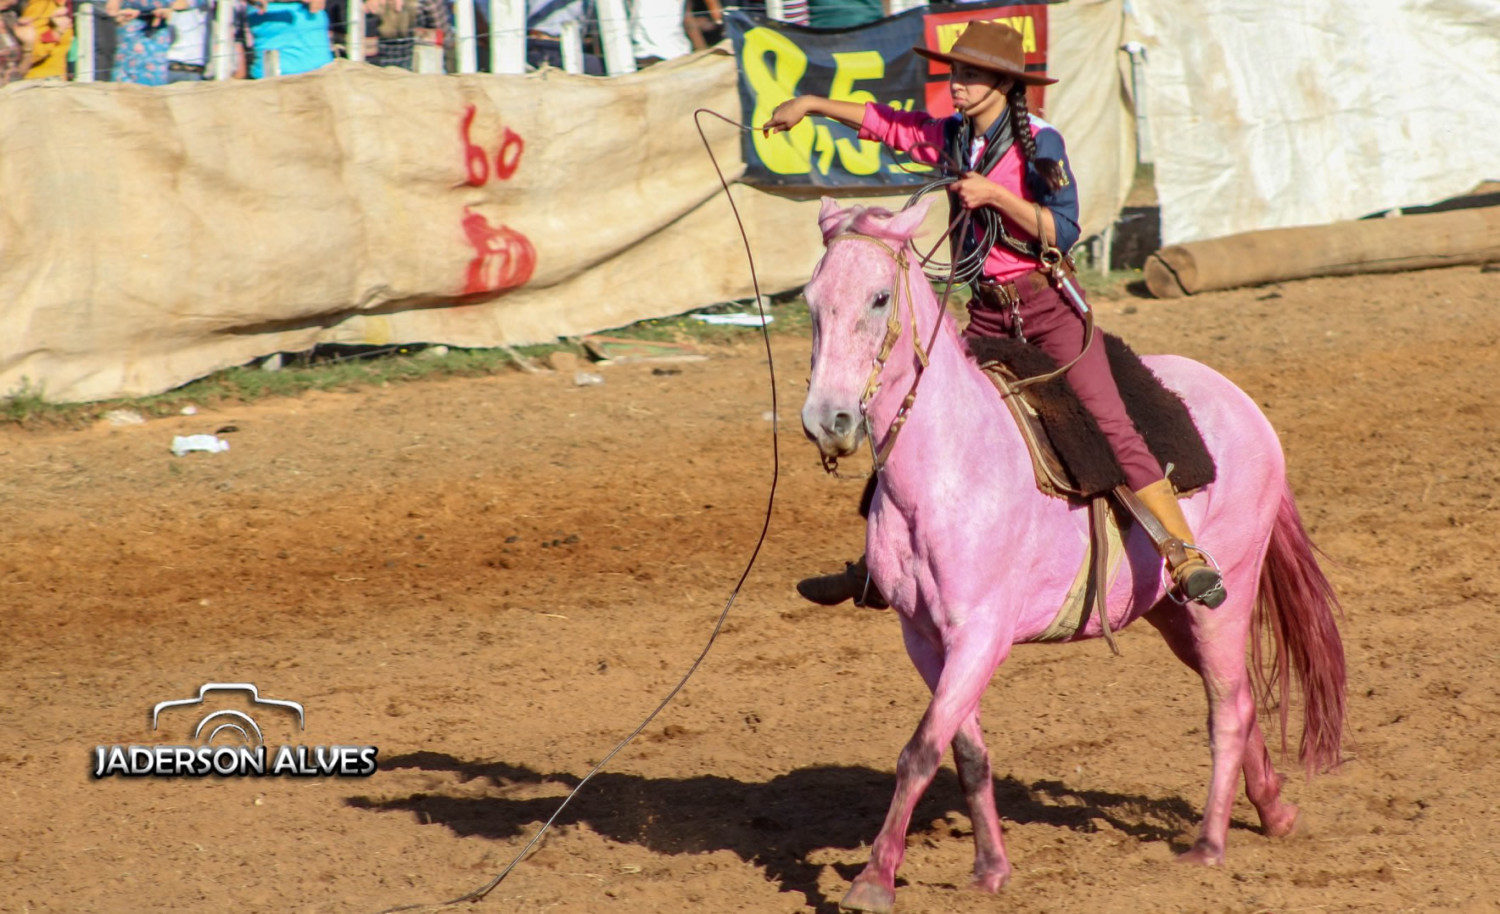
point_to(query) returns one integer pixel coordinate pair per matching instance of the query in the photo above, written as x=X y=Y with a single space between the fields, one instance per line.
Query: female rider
x=1016 y=165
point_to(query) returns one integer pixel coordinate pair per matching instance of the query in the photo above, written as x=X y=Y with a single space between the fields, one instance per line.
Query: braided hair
x=1020 y=127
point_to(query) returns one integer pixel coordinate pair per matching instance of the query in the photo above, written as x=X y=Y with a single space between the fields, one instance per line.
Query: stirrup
x=1204 y=585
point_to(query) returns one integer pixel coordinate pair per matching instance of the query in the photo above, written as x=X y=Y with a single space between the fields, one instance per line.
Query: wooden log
x=1340 y=249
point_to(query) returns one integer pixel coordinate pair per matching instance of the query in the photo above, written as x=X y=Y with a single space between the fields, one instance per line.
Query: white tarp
x=1302 y=112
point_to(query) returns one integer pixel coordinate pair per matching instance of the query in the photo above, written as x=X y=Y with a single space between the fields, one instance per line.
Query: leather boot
x=853 y=583
x=1193 y=578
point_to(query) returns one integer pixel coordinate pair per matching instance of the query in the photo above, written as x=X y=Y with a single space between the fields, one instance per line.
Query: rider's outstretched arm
x=790 y=112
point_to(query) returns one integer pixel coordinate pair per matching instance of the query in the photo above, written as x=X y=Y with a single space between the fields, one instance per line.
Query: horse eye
x=881 y=300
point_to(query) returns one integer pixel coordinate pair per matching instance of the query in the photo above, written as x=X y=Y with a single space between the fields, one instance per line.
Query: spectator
x=843 y=14
x=143 y=38
x=704 y=23
x=544 y=24
x=658 y=31
x=54 y=35
x=394 y=27
x=297 y=31
x=16 y=41
x=187 y=58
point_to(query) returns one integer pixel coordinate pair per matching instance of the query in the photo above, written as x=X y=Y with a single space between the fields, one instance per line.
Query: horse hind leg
x=1212 y=642
x=1278 y=818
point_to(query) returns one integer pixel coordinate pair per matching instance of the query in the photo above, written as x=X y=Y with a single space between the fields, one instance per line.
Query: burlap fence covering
x=149 y=236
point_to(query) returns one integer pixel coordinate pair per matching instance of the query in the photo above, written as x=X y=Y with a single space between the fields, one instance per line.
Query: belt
x=177 y=67
x=1000 y=296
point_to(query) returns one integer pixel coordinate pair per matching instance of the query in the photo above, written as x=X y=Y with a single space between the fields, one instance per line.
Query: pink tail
x=1296 y=607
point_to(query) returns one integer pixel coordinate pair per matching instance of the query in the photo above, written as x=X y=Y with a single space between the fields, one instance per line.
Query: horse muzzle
x=837 y=432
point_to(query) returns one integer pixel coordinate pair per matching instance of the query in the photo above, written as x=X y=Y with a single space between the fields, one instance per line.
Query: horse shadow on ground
x=774 y=825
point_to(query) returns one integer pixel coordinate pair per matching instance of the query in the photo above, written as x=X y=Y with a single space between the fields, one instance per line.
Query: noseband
x=893 y=328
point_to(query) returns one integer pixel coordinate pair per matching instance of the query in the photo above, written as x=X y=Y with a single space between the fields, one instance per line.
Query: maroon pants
x=1055 y=327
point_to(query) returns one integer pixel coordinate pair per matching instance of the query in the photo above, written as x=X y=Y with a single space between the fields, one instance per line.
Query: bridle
x=893 y=327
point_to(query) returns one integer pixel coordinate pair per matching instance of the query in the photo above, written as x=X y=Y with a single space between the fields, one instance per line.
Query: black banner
x=868 y=63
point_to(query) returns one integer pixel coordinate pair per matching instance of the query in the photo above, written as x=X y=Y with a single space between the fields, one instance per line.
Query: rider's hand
x=975 y=190
x=787 y=115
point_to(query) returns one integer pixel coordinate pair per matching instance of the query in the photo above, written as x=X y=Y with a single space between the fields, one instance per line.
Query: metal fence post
x=507 y=36
x=83 y=71
x=221 y=47
x=1137 y=52
x=354 y=31
x=614 y=29
x=427 y=58
x=572 y=46
x=463 y=28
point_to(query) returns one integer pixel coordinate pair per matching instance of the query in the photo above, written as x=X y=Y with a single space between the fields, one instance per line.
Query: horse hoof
x=990 y=883
x=1281 y=822
x=1202 y=854
x=869 y=896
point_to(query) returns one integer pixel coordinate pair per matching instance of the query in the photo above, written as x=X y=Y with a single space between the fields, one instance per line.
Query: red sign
x=941 y=30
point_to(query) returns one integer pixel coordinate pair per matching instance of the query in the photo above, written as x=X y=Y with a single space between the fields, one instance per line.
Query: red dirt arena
x=493 y=580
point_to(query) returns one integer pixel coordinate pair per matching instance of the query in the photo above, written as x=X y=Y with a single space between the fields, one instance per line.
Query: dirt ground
x=493 y=580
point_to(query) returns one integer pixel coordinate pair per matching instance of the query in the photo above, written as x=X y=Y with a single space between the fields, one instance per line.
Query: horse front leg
x=972 y=759
x=967 y=667
x=991 y=866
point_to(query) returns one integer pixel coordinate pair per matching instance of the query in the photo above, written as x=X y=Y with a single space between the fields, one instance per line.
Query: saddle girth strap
x=1099 y=551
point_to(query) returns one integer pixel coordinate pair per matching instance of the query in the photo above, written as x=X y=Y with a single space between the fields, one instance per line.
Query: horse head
x=855 y=298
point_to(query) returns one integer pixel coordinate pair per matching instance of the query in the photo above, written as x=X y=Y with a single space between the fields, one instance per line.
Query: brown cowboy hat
x=990 y=46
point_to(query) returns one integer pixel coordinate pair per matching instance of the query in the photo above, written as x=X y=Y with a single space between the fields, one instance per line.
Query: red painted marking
x=475 y=160
x=508 y=156
x=503 y=257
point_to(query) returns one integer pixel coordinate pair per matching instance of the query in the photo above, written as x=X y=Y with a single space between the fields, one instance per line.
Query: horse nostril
x=843 y=423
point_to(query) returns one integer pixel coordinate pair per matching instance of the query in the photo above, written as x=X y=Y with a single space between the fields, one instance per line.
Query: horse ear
x=906 y=223
x=833 y=218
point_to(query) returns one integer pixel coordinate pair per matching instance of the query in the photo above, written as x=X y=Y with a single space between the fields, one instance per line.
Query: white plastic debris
x=587 y=378
x=189 y=410
x=123 y=417
x=740 y=319
x=186 y=444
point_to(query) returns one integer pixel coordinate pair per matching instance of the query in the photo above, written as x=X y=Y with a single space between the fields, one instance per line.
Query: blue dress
x=141 y=50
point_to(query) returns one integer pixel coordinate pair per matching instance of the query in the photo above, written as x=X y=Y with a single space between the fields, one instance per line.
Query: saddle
x=1069 y=453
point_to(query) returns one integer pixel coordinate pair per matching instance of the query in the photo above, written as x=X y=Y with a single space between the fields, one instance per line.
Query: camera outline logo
x=235 y=716
x=246 y=756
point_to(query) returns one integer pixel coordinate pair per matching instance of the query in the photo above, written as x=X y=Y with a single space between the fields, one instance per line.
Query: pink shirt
x=921 y=136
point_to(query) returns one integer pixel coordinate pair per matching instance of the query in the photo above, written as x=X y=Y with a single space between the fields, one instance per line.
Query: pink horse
x=976 y=559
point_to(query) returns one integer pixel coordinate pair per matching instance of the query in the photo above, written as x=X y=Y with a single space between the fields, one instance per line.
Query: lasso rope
x=490 y=886
x=959 y=223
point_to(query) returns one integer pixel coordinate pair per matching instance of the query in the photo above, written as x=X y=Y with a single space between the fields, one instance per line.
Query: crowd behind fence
x=156 y=42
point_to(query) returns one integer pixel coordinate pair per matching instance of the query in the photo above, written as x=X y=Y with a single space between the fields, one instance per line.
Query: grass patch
x=356 y=367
